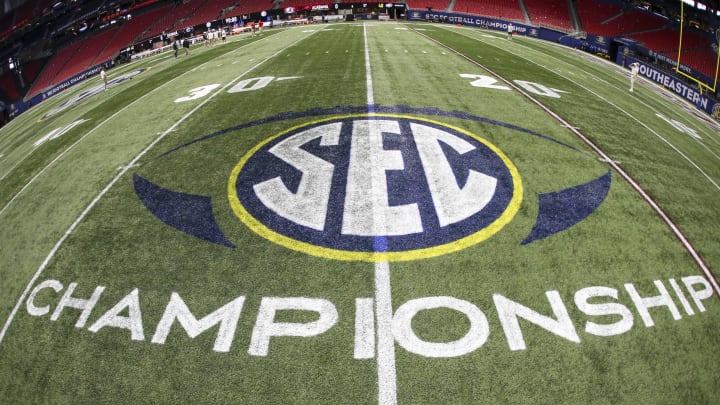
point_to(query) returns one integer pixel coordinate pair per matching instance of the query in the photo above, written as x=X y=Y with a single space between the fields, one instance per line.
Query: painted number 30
x=197 y=92
x=255 y=83
x=488 y=82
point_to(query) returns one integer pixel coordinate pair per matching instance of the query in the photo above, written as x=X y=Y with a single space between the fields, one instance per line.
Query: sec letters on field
x=607 y=309
x=338 y=184
x=390 y=185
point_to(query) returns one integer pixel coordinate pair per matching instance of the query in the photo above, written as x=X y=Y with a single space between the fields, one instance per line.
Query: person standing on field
x=186 y=45
x=634 y=71
x=103 y=76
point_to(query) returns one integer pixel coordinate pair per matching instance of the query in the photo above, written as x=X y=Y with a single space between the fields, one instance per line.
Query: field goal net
x=701 y=84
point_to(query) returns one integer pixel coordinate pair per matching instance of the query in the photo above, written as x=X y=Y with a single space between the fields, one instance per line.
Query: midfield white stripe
x=107 y=188
x=368 y=71
x=387 y=375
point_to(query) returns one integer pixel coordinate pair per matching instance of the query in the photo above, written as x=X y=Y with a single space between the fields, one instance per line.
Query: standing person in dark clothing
x=186 y=45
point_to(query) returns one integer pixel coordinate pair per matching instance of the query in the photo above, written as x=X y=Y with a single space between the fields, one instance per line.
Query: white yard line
x=71 y=147
x=635 y=185
x=678 y=151
x=122 y=172
x=710 y=151
x=13 y=167
x=387 y=375
x=714 y=135
x=71 y=91
x=368 y=73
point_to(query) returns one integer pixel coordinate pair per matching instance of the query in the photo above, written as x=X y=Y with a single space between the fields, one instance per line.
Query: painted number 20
x=488 y=82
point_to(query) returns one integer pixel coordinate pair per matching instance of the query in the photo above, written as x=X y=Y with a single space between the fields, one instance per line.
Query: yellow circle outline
x=329 y=253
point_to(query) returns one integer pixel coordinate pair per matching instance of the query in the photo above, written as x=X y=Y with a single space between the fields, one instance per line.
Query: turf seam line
x=124 y=170
x=699 y=261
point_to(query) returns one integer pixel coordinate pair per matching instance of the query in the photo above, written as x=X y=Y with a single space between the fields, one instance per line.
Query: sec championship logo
x=391 y=185
x=375 y=187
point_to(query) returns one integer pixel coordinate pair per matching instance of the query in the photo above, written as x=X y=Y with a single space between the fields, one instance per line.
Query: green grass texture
x=73 y=227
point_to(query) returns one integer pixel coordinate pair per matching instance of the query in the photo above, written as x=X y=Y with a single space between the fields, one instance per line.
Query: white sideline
x=635 y=185
x=71 y=91
x=678 y=151
x=71 y=147
x=122 y=172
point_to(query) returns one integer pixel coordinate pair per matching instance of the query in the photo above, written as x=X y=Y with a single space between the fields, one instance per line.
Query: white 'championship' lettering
x=509 y=311
x=133 y=322
x=595 y=301
x=599 y=309
x=86 y=305
x=473 y=339
x=266 y=327
x=227 y=316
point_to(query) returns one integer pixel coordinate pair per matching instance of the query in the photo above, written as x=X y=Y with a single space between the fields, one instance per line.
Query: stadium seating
x=86 y=54
x=506 y=9
x=26 y=11
x=56 y=63
x=593 y=13
x=168 y=21
x=549 y=13
x=597 y=17
x=696 y=50
x=127 y=34
x=437 y=5
x=8 y=90
x=208 y=12
x=610 y=20
x=6 y=23
x=250 y=6
x=32 y=69
x=702 y=60
x=659 y=40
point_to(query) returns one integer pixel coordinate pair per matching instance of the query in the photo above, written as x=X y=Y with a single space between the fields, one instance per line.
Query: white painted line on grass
x=387 y=375
x=668 y=143
x=635 y=185
x=71 y=147
x=368 y=72
x=107 y=188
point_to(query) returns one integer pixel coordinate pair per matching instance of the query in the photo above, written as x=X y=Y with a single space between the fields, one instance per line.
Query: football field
x=361 y=213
